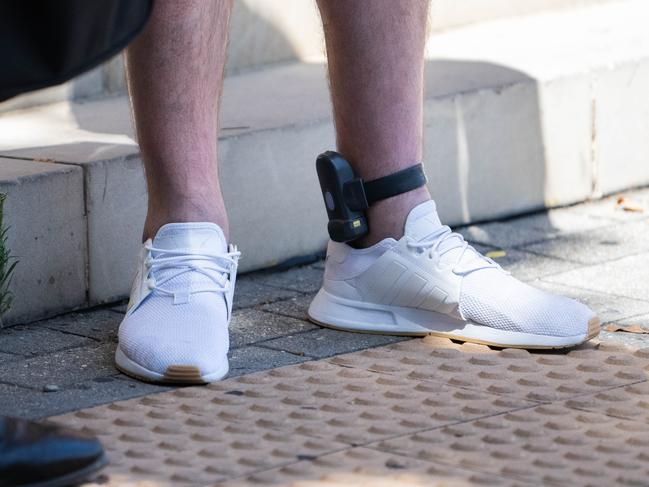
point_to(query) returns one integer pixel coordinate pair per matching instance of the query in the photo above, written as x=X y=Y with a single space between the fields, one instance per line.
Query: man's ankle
x=387 y=218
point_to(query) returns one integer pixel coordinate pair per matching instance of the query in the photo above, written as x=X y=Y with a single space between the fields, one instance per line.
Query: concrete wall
x=515 y=120
x=262 y=33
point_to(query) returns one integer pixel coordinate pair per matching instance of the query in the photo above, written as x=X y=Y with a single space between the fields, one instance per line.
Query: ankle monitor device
x=347 y=197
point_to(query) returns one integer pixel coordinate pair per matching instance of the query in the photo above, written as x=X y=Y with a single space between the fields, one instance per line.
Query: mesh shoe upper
x=158 y=335
x=494 y=298
x=183 y=320
x=489 y=295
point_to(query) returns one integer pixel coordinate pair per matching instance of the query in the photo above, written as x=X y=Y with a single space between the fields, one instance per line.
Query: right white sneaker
x=432 y=282
x=176 y=324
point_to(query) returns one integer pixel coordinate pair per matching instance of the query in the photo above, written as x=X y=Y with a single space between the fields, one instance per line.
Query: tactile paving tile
x=267 y=419
x=545 y=445
x=356 y=406
x=536 y=376
x=364 y=467
x=497 y=417
x=630 y=402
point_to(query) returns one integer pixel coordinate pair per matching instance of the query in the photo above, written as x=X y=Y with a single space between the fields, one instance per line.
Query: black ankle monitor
x=347 y=197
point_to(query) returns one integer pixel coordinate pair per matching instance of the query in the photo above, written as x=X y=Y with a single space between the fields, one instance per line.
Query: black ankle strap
x=359 y=194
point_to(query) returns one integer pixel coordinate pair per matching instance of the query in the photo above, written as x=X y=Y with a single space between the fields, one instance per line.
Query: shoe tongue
x=422 y=221
x=197 y=237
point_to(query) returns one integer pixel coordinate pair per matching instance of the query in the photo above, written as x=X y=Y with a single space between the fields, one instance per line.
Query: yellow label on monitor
x=356 y=224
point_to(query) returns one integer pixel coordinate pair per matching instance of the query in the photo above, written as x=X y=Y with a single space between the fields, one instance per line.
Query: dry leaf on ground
x=628 y=205
x=626 y=328
x=496 y=254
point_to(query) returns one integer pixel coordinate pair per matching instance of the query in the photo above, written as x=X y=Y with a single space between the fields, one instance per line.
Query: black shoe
x=45 y=455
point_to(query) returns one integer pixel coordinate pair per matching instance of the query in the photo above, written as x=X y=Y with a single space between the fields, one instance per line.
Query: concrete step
x=262 y=34
x=515 y=120
x=47 y=233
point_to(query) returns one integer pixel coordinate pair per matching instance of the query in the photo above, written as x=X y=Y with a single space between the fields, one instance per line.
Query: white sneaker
x=432 y=282
x=176 y=323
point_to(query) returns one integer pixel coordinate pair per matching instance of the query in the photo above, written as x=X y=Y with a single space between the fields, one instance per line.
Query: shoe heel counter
x=344 y=264
x=137 y=287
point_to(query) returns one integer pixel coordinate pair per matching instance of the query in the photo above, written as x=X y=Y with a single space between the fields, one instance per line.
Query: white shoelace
x=443 y=241
x=217 y=268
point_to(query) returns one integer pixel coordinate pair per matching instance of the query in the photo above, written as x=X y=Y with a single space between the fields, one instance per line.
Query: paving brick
x=306 y=279
x=29 y=403
x=36 y=340
x=12 y=398
x=250 y=326
x=608 y=207
x=641 y=320
x=8 y=357
x=534 y=228
x=325 y=342
x=253 y=290
x=597 y=246
x=626 y=277
x=62 y=368
x=44 y=212
x=527 y=266
x=294 y=307
x=246 y=360
x=630 y=339
x=608 y=307
x=99 y=324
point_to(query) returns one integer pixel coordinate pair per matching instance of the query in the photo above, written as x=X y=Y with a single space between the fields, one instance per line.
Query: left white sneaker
x=176 y=324
x=432 y=282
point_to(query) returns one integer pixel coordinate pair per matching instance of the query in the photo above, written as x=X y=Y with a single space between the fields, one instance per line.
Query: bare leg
x=376 y=59
x=175 y=71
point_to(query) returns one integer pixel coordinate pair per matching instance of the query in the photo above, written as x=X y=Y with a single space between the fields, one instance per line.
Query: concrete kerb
x=45 y=212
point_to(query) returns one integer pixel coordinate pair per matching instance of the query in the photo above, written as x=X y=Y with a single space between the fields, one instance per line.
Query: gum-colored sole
x=593 y=331
x=183 y=374
x=594 y=326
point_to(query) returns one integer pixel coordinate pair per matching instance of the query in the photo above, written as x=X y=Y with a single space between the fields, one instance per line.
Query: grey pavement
x=594 y=252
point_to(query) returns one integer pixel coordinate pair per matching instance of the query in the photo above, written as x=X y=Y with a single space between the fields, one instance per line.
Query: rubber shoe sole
x=355 y=316
x=175 y=374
